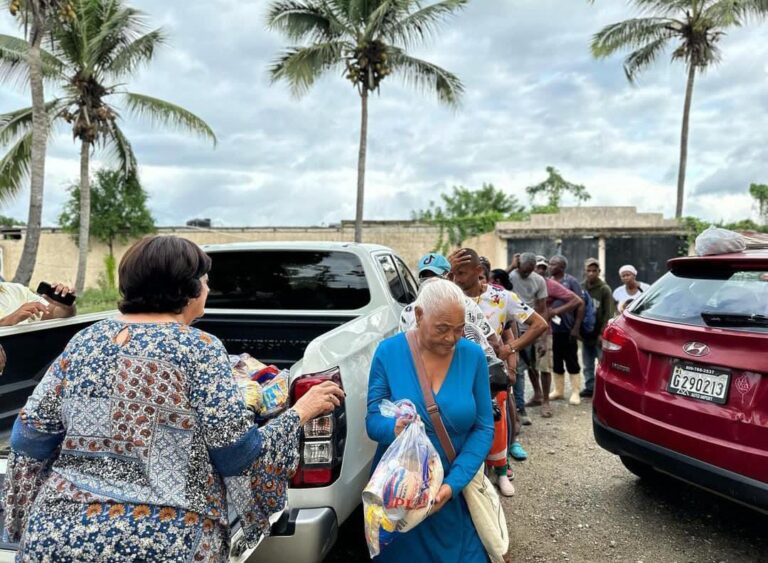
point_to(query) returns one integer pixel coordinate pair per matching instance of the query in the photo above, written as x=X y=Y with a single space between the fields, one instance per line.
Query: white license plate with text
x=700 y=382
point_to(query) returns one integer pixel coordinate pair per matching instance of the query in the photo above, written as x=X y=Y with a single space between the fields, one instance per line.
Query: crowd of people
x=539 y=319
x=533 y=316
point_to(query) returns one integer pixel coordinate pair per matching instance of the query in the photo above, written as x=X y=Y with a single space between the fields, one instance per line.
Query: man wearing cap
x=433 y=265
x=602 y=299
x=630 y=288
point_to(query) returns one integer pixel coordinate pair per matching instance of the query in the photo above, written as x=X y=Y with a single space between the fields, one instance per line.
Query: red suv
x=682 y=386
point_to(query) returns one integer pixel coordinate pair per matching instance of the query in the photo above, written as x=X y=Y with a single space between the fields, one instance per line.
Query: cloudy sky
x=534 y=97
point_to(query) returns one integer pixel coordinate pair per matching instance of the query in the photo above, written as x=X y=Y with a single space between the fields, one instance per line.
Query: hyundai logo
x=696 y=349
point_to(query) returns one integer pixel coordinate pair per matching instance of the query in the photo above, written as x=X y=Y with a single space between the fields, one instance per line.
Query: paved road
x=576 y=502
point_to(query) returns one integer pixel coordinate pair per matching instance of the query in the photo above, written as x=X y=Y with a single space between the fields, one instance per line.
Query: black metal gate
x=575 y=249
x=648 y=254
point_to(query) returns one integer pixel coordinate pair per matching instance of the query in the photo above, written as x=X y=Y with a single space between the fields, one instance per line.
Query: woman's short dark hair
x=502 y=278
x=160 y=274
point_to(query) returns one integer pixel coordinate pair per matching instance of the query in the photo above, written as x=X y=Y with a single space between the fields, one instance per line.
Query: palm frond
x=13 y=61
x=300 y=67
x=386 y=14
x=120 y=151
x=421 y=24
x=305 y=21
x=18 y=123
x=358 y=12
x=640 y=59
x=662 y=7
x=132 y=55
x=727 y=13
x=118 y=28
x=428 y=77
x=14 y=168
x=632 y=34
x=168 y=114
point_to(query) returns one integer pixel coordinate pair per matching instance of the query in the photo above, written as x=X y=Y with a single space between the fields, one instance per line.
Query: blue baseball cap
x=435 y=263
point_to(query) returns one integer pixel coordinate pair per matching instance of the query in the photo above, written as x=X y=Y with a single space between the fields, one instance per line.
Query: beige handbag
x=480 y=495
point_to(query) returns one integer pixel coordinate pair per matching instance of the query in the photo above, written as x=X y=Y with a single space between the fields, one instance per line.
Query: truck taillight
x=614 y=339
x=322 y=438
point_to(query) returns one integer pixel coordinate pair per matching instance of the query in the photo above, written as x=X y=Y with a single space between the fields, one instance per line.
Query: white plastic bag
x=715 y=240
x=403 y=486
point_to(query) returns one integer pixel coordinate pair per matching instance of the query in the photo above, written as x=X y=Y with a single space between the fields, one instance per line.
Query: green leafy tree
x=365 y=40
x=10 y=221
x=466 y=213
x=553 y=189
x=692 y=29
x=94 y=53
x=119 y=213
x=759 y=193
x=22 y=60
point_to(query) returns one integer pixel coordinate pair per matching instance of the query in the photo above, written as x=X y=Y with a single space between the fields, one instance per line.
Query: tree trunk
x=85 y=215
x=684 y=142
x=361 y=167
x=37 y=162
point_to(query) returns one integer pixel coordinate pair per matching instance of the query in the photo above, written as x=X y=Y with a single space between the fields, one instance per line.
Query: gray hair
x=527 y=258
x=562 y=259
x=437 y=293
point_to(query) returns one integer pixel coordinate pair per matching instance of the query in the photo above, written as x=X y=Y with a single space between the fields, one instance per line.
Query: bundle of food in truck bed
x=264 y=388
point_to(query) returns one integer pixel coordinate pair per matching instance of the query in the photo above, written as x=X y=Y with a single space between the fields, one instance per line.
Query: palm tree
x=695 y=27
x=365 y=40
x=94 y=53
x=22 y=59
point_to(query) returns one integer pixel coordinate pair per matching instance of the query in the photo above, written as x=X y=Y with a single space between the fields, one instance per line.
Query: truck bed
x=272 y=339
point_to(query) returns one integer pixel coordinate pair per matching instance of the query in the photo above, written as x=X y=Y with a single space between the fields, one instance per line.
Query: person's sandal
x=517 y=452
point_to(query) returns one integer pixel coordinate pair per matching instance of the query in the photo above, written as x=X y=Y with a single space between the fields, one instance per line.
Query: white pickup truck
x=319 y=309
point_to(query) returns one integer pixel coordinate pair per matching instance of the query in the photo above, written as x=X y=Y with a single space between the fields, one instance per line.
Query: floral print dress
x=131 y=450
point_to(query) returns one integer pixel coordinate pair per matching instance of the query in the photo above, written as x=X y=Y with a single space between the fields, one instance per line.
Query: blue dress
x=448 y=536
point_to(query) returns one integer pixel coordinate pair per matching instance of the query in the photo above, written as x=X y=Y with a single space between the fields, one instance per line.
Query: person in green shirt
x=602 y=298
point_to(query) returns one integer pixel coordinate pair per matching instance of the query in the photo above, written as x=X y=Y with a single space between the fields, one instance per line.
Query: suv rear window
x=734 y=299
x=287 y=279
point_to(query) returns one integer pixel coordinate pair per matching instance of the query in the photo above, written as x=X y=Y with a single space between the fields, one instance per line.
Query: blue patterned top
x=156 y=421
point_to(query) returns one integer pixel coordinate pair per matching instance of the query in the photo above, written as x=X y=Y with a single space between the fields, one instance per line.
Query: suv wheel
x=642 y=470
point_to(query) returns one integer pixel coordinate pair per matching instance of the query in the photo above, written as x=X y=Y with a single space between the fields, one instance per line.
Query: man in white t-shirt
x=630 y=288
x=19 y=304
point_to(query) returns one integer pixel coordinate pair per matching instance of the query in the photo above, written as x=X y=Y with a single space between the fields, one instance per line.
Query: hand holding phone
x=59 y=293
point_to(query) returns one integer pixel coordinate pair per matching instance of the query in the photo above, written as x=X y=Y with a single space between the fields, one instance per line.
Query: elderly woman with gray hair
x=457 y=373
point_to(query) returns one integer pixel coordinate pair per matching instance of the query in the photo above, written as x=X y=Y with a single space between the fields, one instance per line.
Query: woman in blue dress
x=458 y=373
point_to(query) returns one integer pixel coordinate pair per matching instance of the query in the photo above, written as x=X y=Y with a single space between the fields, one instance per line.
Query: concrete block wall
x=57 y=257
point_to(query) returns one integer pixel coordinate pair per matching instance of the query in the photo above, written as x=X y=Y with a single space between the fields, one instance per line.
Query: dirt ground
x=577 y=502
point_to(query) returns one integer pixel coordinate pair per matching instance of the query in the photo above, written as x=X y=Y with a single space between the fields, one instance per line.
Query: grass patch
x=97 y=299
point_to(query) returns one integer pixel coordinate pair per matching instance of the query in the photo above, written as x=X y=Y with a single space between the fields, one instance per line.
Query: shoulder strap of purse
x=429 y=398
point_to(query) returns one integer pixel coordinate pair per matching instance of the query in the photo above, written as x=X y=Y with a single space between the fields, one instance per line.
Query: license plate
x=700 y=382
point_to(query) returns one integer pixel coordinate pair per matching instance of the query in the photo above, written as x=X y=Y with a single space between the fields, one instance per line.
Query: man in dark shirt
x=602 y=299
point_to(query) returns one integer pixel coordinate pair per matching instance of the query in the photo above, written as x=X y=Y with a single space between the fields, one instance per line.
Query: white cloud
x=534 y=97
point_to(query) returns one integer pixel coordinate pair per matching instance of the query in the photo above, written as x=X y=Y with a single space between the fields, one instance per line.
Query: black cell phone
x=47 y=289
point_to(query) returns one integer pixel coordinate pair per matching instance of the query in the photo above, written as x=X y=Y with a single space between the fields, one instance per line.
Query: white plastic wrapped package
x=403 y=486
x=715 y=240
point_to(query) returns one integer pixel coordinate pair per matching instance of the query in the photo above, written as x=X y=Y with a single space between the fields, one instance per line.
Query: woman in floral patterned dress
x=130 y=445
